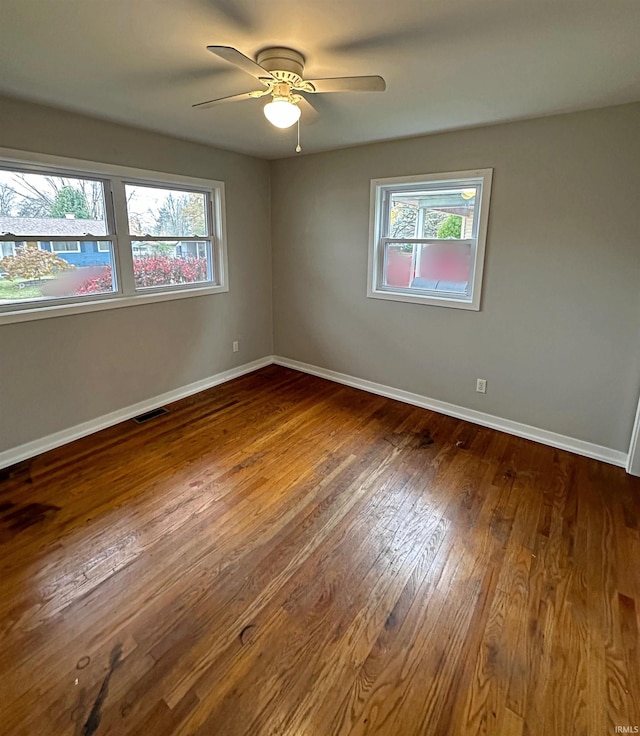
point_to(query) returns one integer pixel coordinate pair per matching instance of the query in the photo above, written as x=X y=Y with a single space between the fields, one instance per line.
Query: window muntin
x=90 y=246
x=427 y=238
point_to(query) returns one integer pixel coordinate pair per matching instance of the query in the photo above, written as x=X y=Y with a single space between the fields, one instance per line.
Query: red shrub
x=157 y=270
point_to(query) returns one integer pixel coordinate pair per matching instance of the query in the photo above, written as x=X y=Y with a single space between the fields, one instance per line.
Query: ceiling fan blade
x=349 y=84
x=228 y=53
x=231 y=98
x=309 y=113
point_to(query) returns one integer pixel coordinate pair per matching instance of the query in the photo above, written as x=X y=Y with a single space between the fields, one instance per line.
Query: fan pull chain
x=298 y=147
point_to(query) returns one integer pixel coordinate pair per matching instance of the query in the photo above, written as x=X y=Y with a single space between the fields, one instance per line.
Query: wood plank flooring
x=285 y=556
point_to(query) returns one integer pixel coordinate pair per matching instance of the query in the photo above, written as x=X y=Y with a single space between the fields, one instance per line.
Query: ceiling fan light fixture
x=281 y=112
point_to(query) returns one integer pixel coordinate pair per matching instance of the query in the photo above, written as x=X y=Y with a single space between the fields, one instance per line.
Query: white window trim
x=14 y=245
x=24 y=312
x=378 y=188
x=56 y=250
x=210 y=240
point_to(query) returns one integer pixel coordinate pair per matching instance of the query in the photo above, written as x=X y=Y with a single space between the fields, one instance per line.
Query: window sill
x=439 y=301
x=28 y=314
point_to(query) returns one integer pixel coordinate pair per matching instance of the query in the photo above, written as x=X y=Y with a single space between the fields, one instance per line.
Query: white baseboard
x=562 y=442
x=30 y=449
x=545 y=437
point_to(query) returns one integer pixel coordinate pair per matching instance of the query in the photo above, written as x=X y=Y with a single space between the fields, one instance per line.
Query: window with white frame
x=79 y=240
x=66 y=246
x=8 y=249
x=169 y=230
x=427 y=238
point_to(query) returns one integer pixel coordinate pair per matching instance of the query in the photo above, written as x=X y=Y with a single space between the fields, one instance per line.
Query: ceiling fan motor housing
x=285 y=64
x=280 y=70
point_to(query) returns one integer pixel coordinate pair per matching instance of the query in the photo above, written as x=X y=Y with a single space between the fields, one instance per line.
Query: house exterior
x=78 y=253
x=75 y=252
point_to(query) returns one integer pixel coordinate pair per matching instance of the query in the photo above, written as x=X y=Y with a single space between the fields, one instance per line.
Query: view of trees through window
x=28 y=195
x=437 y=215
x=166 y=225
x=164 y=212
x=443 y=216
x=404 y=221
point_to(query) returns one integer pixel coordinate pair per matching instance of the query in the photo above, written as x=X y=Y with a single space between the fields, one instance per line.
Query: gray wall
x=56 y=373
x=557 y=337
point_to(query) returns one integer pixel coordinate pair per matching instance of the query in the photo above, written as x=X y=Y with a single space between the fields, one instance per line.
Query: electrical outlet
x=481 y=385
x=236 y=346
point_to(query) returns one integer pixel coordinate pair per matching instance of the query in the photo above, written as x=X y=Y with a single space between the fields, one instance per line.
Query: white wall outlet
x=481 y=385
x=236 y=346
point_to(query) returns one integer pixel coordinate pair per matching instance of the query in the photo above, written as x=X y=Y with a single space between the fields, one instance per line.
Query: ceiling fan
x=280 y=71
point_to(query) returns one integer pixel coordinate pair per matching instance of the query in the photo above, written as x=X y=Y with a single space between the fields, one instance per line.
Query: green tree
x=181 y=215
x=36 y=196
x=404 y=219
x=432 y=221
x=70 y=201
x=451 y=227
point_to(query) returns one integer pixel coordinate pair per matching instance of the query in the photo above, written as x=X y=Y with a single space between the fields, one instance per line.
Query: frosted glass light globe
x=281 y=113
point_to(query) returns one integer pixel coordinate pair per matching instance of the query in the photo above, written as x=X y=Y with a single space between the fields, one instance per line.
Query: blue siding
x=89 y=254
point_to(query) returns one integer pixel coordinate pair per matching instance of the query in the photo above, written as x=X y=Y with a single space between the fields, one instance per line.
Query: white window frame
x=378 y=239
x=103 y=246
x=14 y=244
x=114 y=178
x=57 y=250
x=208 y=240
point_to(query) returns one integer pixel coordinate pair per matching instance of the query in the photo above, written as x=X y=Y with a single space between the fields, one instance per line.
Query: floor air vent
x=148 y=416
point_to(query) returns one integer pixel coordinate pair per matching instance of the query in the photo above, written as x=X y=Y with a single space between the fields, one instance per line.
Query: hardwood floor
x=284 y=555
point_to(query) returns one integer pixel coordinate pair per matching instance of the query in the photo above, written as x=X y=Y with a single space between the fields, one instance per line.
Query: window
x=73 y=240
x=169 y=231
x=8 y=249
x=70 y=246
x=428 y=238
x=42 y=212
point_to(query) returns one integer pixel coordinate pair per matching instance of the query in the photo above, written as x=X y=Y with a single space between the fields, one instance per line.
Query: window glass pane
x=35 y=272
x=45 y=204
x=165 y=212
x=438 y=267
x=399 y=265
x=172 y=262
x=446 y=264
x=433 y=213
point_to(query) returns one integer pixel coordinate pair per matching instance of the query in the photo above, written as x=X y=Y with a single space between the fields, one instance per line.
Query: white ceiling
x=448 y=63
